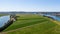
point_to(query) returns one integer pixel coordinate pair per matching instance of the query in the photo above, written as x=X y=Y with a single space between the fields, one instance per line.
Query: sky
x=30 y=5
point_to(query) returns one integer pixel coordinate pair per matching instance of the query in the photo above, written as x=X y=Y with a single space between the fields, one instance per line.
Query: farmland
x=32 y=24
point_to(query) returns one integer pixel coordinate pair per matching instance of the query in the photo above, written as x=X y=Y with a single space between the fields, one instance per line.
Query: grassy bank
x=30 y=24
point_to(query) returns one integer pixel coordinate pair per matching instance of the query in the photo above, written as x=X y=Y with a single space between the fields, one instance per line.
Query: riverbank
x=57 y=22
x=52 y=19
x=30 y=24
x=5 y=22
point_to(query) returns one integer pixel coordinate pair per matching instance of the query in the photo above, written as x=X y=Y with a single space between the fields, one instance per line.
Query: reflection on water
x=4 y=20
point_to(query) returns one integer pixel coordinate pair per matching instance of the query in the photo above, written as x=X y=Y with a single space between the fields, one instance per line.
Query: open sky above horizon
x=29 y=5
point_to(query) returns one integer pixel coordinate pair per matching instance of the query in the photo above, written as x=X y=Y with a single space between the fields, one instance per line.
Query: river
x=4 y=20
x=52 y=16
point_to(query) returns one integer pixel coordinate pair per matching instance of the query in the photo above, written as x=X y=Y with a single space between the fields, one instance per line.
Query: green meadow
x=3 y=14
x=32 y=24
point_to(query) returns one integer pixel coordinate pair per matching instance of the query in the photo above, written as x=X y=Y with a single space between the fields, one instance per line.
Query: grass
x=36 y=25
x=55 y=30
x=3 y=14
x=35 y=29
x=26 y=21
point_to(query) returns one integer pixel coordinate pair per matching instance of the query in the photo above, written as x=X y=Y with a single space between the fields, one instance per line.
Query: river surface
x=4 y=20
x=54 y=17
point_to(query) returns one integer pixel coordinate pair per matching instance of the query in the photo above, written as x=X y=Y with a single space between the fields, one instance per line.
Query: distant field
x=31 y=24
x=2 y=14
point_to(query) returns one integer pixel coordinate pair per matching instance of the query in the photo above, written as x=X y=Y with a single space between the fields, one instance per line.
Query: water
x=54 y=17
x=4 y=20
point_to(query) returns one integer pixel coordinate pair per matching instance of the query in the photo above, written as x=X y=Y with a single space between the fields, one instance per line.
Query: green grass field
x=2 y=15
x=32 y=24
